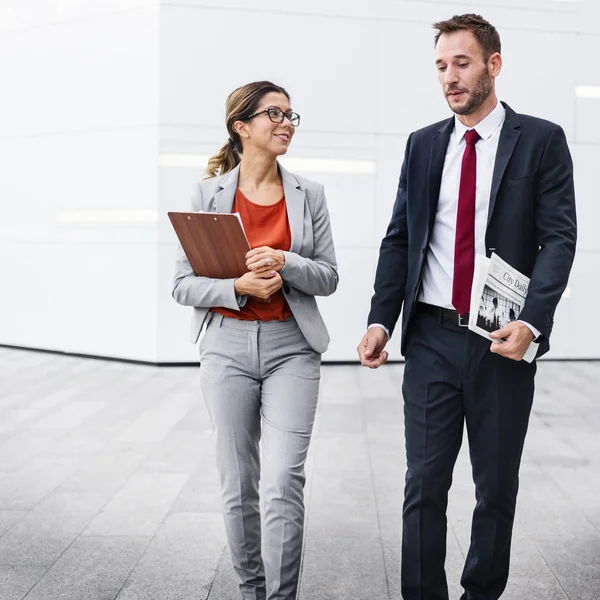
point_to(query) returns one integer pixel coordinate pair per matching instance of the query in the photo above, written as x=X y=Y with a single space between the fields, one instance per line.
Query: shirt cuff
x=536 y=333
x=387 y=331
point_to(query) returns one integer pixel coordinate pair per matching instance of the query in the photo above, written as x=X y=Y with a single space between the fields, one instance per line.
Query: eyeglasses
x=278 y=116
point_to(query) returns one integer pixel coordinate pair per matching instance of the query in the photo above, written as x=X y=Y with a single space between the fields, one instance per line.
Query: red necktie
x=464 y=246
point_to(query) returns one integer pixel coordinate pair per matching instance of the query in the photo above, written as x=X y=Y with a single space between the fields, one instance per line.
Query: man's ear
x=495 y=64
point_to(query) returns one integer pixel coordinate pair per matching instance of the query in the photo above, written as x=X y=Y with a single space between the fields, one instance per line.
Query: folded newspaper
x=497 y=298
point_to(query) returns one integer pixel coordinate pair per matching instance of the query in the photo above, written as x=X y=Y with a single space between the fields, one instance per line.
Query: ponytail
x=224 y=161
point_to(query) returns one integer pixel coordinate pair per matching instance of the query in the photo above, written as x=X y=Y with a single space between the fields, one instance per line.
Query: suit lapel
x=437 y=156
x=226 y=195
x=295 y=199
x=506 y=146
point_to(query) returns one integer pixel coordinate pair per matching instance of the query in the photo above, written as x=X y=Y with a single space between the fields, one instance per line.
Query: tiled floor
x=108 y=487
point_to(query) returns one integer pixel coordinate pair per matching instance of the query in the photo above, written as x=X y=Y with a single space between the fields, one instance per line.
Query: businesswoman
x=260 y=356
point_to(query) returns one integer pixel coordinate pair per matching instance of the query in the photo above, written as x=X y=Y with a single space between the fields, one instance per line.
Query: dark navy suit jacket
x=531 y=219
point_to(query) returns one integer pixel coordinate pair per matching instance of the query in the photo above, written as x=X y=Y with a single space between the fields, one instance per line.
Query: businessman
x=486 y=180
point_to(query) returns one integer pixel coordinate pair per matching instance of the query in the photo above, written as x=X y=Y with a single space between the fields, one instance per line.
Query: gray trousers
x=260 y=382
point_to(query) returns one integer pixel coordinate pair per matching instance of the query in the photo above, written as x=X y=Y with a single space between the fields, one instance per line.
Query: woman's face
x=261 y=133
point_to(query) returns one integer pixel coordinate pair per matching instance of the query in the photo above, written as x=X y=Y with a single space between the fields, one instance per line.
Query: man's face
x=463 y=72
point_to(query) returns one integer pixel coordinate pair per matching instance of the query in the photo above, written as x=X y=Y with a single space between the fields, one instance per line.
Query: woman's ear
x=241 y=128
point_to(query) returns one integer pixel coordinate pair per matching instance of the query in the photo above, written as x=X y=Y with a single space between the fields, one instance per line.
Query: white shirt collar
x=484 y=128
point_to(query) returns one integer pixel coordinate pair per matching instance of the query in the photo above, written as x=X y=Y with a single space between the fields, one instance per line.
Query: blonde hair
x=240 y=104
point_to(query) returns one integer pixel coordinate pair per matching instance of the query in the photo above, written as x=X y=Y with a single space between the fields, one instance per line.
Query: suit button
x=286 y=288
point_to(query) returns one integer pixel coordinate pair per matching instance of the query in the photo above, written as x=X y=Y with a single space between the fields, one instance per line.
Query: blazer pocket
x=524 y=180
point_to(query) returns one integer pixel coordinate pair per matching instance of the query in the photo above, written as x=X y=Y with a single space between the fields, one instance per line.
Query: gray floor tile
x=23 y=489
x=140 y=506
x=180 y=562
x=69 y=416
x=202 y=492
x=108 y=479
x=8 y=518
x=15 y=582
x=19 y=449
x=156 y=422
x=225 y=585
x=92 y=568
x=178 y=452
x=34 y=544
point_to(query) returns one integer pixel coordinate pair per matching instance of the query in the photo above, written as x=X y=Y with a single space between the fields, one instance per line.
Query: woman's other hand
x=260 y=285
x=265 y=259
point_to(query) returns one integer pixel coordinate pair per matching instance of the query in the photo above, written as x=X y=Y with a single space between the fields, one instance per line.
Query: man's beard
x=480 y=92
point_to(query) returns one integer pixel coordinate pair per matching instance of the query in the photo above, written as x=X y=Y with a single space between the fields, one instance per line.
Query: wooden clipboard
x=214 y=243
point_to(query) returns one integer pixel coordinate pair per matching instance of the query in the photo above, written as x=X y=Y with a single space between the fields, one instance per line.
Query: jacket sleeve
x=556 y=231
x=392 y=266
x=318 y=275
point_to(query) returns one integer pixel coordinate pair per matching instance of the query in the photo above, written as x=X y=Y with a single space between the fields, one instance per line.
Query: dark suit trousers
x=452 y=378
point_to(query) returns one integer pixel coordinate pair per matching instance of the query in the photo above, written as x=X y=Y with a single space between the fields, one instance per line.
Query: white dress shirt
x=438 y=274
x=436 y=288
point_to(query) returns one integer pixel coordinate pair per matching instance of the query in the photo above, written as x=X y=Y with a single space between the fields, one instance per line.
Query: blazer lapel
x=294 y=201
x=226 y=194
x=437 y=156
x=506 y=146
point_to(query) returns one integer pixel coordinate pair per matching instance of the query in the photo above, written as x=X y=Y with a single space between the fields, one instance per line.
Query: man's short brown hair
x=485 y=32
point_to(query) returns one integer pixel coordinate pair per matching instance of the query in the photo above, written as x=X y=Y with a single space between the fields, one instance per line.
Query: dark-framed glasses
x=278 y=116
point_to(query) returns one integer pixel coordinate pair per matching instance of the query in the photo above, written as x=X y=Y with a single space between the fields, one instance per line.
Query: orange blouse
x=264 y=226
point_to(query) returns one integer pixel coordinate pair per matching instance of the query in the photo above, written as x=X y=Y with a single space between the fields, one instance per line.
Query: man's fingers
x=371 y=355
x=362 y=350
x=507 y=350
x=369 y=348
x=375 y=362
x=500 y=333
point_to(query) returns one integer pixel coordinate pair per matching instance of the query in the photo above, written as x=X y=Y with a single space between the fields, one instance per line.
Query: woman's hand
x=265 y=259
x=260 y=285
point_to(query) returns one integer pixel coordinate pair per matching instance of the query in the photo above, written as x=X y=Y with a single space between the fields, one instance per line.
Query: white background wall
x=99 y=146
x=79 y=148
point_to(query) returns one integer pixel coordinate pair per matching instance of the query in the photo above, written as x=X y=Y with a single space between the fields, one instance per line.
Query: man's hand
x=264 y=259
x=371 y=348
x=517 y=338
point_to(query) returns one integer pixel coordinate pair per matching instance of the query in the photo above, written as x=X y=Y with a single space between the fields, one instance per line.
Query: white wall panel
x=539 y=75
x=346 y=311
x=542 y=15
x=586 y=159
x=390 y=155
x=329 y=67
x=68 y=78
x=359 y=9
x=588 y=123
x=79 y=149
x=17 y=15
x=173 y=338
x=109 y=110
x=576 y=315
x=589 y=16
x=28 y=313
x=106 y=301
x=410 y=96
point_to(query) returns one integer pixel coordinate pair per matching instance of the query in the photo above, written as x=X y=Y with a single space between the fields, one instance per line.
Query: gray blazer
x=310 y=266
